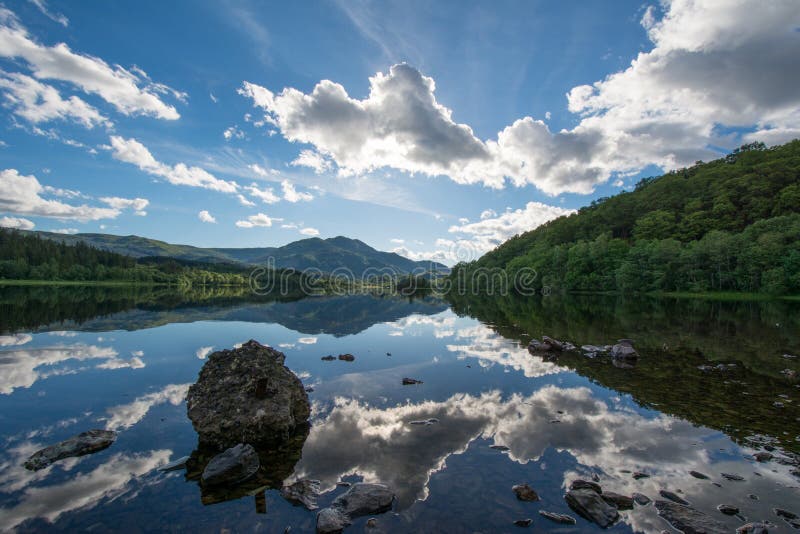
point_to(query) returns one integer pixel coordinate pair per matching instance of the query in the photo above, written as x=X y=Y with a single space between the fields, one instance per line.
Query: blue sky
x=443 y=128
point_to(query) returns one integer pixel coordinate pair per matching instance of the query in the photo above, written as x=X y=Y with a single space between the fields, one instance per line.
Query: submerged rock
x=411 y=381
x=331 y=520
x=246 y=395
x=785 y=514
x=84 y=443
x=525 y=493
x=697 y=474
x=347 y=357
x=638 y=474
x=558 y=518
x=502 y=448
x=328 y=358
x=523 y=522
x=303 y=492
x=733 y=477
x=688 y=520
x=763 y=456
x=674 y=497
x=361 y=499
x=641 y=499
x=590 y=505
x=235 y=465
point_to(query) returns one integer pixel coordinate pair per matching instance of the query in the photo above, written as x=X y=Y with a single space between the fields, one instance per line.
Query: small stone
x=638 y=474
x=364 y=499
x=523 y=522
x=732 y=477
x=785 y=514
x=499 y=447
x=372 y=522
x=328 y=358
x=411 y=381
x=753 y=496
x=347 y=357
x=697 y=474
x=728 y=509
x=235 y=465
x=331 y=521
x=673 y=497
x=762 y=456
x=753 y=528
x=303 y=492
x=595 y=477
x=558 y=518
x=641 y=499
x=309 y=389
x=525 y=493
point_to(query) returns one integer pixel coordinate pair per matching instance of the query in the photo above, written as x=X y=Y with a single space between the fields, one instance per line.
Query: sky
x=434 y=129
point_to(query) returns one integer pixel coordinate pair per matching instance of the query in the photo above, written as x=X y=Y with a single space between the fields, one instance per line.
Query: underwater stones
x=688 y=520
x=232 y=466
x=525 y=493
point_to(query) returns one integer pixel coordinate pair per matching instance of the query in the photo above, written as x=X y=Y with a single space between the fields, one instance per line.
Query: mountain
x=323 y=254
x=728 y=225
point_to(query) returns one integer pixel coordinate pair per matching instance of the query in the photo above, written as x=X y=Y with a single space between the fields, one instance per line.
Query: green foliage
x=728 y=225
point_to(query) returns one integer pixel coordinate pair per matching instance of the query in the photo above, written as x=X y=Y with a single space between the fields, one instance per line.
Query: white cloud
x=37 y=102
x=41 y=5
x=233 y=132
x=138 y=205
x=20 y=194
x=203 y=352
x=68 y=231
x=213 y=98
x=290 y=194
x=713 y=66
x=14 y=340
x=206 y=217
x=16 y=222
x=310 y=231
x=314 y=160
x=261 y=171
x=267 y=196
x=490 y=231
x=397 y=241
x=244 y=201
x=253 y=221
x=132 y=151
x=129 y=91
x=307 y=340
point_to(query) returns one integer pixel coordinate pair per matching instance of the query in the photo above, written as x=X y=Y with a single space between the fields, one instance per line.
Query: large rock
x=235 y=465
x=361 y=499
x=80 y=445
x=688 y=520
x=590 y=505
x=246 y=395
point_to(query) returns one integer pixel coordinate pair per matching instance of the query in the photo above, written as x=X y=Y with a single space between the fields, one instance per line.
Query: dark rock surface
x=728 y=509
x=753 y=528
x=246 y=395
x=697 y=474
x=523 y=522
x=411 y=381
x=624 y=350
x=84 y=443
x=733 y=477
x=688 y=520
x=331 y=520
x=581 y=484
x=235 y=465
x=347 y=357
x=622 y=502
x=642 y=499
x=590 y=505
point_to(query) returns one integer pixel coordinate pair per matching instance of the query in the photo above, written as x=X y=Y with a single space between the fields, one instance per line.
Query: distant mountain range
x=323 y=254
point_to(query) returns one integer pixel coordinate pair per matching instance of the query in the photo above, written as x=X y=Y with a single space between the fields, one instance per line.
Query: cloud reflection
x=126 y=415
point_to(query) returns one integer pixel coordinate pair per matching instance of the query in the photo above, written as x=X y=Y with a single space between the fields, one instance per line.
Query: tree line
x=728 y=225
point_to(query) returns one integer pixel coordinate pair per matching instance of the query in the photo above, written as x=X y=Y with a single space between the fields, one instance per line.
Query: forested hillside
x=25 y=256
x=728 y=225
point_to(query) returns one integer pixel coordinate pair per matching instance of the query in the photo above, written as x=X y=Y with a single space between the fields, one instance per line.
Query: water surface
x=74 y=359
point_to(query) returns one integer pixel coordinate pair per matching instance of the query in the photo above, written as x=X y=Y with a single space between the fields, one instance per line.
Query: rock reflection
x=277 y=464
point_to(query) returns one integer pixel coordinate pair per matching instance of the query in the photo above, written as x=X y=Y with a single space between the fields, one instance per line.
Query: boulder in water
x=84 y=443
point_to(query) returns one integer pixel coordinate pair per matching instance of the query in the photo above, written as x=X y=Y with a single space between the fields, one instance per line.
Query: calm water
x=71 y=360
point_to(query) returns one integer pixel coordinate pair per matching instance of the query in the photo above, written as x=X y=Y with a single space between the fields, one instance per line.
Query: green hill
x=323 y=254
x=728 y=225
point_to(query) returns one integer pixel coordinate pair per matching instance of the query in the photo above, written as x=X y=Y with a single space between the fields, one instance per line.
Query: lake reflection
x=127 y=366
